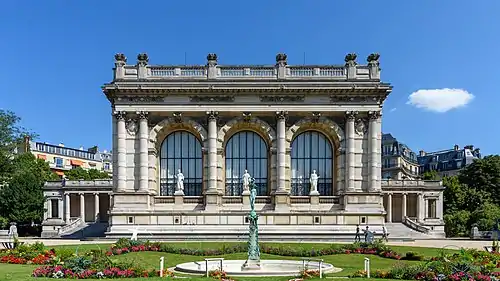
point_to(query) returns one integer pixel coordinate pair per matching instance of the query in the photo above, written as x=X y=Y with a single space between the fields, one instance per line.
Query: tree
x=11 y=133
x=80 y=174
x=22 y=199
x=430 y=175
x=483 y=175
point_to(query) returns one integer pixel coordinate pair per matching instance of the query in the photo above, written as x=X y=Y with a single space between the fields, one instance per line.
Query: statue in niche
x=180 y=180
x=246 y=181
x=131 y=127
x=313 y=180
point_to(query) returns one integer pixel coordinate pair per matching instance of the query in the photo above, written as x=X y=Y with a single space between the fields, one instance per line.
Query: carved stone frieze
x=356 y=99
x=281 y=114
x=210 y=98
x=374 y=115
x=247 y=116
x=287 y=98
x=119 y=115
x=177 y=116
x=212 y=115
x=140 y=99
x=316 y=116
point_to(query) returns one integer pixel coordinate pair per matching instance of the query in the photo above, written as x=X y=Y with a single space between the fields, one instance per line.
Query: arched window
x=246 y=150
x=311 y=151
x=181 y=150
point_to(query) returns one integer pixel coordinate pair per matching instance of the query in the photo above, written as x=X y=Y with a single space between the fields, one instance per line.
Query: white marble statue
x=180 y=180
x=246 y=180
x=135 y=233
x=314 y=182
x=12 y=231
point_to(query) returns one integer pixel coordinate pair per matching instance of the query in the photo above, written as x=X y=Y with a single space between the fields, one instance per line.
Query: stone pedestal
x=250 y=265
x=281 y=201
x=212 y=201
x=361 y=204
x=314 y=197
x=179 y=198
x=246 y=200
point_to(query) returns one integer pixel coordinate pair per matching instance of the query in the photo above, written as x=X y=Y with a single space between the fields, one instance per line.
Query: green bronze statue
x=253 y=261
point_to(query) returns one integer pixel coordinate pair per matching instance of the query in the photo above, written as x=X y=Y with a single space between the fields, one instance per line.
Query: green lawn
x=349 y=263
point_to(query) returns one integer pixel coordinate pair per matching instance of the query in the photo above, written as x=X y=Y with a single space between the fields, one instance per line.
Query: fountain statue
x=253 y=261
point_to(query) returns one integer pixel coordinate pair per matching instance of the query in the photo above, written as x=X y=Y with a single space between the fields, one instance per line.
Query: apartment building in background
x=62 y=158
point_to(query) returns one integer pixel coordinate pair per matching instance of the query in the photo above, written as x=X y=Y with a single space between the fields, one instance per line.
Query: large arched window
x=246 y=150
x=181 y=150
x=311 y=151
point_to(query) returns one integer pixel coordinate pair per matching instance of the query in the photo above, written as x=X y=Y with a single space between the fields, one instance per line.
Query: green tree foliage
x=80 y=174
x=430 y=175
x=472 y=198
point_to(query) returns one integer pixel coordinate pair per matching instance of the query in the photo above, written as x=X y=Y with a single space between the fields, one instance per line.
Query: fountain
x=254 y=266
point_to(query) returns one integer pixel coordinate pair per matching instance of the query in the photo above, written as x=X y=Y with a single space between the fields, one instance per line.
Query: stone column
x=121 y=149
x=426 y=208
x=82 y=206
x=281 y=151
x=143 y=152
x=374 y=158
x=67 y=215
x=212 y=151
x=350 y=151
x=403 y=207
x=420 y=212
x=110 y=201
x=49 y=208
x=439 y=206
x=389 y=208
x=96 y=208
x=60 y=208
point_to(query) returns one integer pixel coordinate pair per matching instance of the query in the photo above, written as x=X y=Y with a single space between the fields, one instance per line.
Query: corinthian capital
x=281 y=114
x=212 y=115
x=142 y=114
x=374 y=115
x=119 y=115
x=351 y=115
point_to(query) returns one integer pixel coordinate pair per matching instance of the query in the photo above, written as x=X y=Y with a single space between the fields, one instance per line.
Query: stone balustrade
x=410 y=183
x=281 y=70
x=80 y=183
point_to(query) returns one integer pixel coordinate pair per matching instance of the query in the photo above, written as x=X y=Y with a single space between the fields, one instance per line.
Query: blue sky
x=57 y=53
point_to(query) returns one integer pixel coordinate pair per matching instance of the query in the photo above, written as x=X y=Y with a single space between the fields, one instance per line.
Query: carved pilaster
x=351 y=115
x=374 y=115
x=212 y=115
x=142 y=114
x=119 y=115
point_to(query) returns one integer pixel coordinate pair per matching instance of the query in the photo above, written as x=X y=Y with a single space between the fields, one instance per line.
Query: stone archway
x=333 y=132
x=253 y=124
x=156 y=136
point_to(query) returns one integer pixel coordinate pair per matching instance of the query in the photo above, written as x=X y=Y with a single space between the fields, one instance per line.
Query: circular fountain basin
x=267 y=267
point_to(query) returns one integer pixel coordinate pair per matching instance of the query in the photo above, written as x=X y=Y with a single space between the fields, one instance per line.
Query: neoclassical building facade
x=280 y=123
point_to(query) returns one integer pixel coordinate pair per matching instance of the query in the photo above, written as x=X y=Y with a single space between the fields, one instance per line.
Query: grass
x=349 y=263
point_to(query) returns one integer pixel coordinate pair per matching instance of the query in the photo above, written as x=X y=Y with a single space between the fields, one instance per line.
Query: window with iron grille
x=311 y=150
x=181 y=150
x=246 y=150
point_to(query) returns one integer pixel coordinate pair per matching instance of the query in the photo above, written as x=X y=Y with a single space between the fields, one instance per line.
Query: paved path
x=443 y=243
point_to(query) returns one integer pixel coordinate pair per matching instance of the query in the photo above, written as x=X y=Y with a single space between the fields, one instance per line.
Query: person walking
x=366 y=234
x=357 y=238
x=385 y=236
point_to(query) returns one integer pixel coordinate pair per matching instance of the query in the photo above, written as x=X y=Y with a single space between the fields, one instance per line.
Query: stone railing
x=262 y=200
x=193 y=199
x=164 y=200
x=350 y=70
x=80 y=183
x=410 y=183
x=74 y=223
x=300 y=200
x=232 y=200
x=329 y=200
x=415 y=226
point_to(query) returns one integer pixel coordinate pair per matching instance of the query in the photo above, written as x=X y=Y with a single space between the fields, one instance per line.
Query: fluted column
x=281 y=151
x=374 y=156
x=350 y=151
x=67 y=205
x=212 y=151
x=96 y=207
x=389 y=207
x=143 y=151
x=121 y=149
x=82 y=206
x=403 y=206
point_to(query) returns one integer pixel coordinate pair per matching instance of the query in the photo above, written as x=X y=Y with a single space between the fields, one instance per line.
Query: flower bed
x=28 y=254
x=126 y=246
x=60 y=271
x=467 y=265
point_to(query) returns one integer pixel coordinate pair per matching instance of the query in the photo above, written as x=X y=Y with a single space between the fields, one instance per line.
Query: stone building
x=398 y=160
x=448 y=162
x=279 y=122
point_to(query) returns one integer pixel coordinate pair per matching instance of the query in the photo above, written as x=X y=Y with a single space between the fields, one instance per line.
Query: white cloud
x=440 y=100
x=392 y=109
